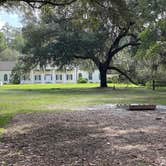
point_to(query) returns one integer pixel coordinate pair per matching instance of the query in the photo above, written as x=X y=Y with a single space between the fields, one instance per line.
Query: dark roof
x=7 y=65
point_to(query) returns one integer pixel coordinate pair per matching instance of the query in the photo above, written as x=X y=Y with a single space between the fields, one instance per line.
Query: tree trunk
x=153 y=85
x=103 y=77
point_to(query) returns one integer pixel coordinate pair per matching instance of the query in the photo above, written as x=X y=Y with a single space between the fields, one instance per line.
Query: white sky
x=12 y=19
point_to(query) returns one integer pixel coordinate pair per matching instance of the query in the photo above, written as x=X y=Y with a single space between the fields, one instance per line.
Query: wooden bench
x=157 y=83
x=141 y=107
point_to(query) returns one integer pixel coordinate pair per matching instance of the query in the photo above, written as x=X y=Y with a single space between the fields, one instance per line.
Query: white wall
x=85 y=74
x=52 y=73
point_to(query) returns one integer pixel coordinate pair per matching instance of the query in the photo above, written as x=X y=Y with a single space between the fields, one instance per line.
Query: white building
x=5 y=71
x=49 y=75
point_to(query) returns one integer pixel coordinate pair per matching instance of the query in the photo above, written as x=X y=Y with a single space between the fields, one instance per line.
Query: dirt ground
x=97 y=137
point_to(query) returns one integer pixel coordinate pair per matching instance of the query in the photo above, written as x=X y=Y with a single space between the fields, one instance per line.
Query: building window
x=5 y=77
x=48 y=77
x=37 y=77
x=90 y=76
x=69 y=77
x=80 y=75
x=59 y=77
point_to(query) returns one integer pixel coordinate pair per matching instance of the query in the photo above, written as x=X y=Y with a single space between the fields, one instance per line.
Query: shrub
x=109 y=80
x=149 y=84
x=82 y=80
x=113 y=79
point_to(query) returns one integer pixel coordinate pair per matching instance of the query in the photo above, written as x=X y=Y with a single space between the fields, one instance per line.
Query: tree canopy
x=3 y=43
x=95 y=30
x=81 y=31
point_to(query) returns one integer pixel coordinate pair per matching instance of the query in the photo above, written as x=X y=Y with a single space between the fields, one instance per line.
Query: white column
x=32 y=76
x=64 y=78
x=53 y=76
x=75 y=75
x=8 y=77
x=42 y=77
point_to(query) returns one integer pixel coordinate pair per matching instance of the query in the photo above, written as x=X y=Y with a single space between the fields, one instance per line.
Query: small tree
x=18 y=73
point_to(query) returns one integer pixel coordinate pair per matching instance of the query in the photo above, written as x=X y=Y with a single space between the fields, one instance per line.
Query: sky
x=12 y=19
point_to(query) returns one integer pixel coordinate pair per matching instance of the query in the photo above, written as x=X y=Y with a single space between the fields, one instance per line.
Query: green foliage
x=82 y=80
x=2 y=130
x=9 y=55
x=152 y=52
x=85 y=30
x=109 y=80
x=18 y=43
x=149 y=84
x=59 y=37
x=3 y=43
x=156 y=49
x=15 y=78
x=148 y=37
x=16 y=74
x=11 y=43
x=68 y=44
x=113 y=79
x=148 y=11
x=4 y=120
x=153 y=38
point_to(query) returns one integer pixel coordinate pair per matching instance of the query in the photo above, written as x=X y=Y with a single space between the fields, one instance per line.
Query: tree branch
x=123 y=73
x=33 y=3
x=82 y=57
x=124 y=46
x=94 y=59
x=124 y=32
x=100 y=4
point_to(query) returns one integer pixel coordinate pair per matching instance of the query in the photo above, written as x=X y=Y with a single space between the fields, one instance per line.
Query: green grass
x=17 y=99
x=2 y=130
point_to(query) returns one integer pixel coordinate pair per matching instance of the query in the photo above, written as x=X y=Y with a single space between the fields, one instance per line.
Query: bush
x=109 y=80
x=113 y=79
x=149 y=84
x=82 y=80
x=15 y=79
x=15 y=76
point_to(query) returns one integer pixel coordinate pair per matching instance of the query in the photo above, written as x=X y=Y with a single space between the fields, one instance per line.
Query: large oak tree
x=91 y=29
x=95 y=31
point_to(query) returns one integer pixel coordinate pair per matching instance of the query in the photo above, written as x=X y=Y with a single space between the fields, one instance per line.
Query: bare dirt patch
x=98 y=137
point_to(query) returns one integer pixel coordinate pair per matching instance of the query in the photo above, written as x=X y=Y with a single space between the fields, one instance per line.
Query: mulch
x=86 y=138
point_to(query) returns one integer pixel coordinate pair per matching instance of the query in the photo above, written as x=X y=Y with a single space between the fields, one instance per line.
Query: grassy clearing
x=16 y=99
x=2 y=130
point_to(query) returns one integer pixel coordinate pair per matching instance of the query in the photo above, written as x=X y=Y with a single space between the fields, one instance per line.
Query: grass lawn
x=16 y=99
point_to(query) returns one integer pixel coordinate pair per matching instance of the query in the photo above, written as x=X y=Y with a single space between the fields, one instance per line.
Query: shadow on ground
x=91 y=138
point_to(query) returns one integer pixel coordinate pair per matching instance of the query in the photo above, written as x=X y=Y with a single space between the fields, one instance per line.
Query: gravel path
x=101 y=137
